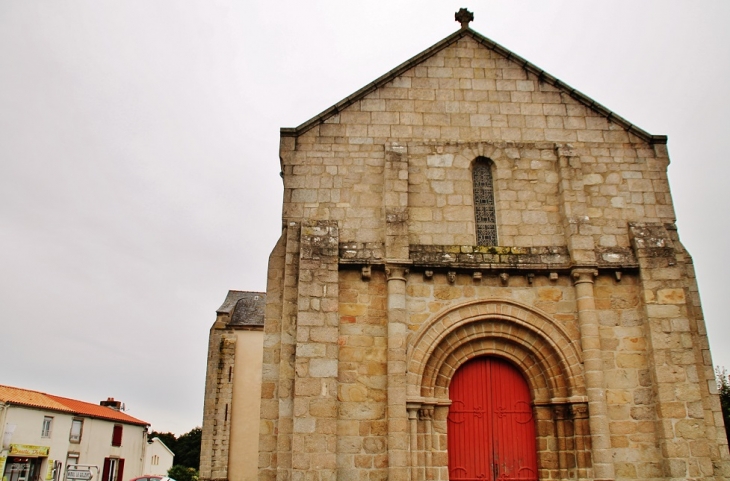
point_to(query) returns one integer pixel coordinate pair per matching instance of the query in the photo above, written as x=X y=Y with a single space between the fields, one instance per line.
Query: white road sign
x=79 y=474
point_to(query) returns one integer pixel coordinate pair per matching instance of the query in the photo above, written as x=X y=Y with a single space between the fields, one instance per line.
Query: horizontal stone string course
x=460 y=255
x=489 y=255
x=362 y=251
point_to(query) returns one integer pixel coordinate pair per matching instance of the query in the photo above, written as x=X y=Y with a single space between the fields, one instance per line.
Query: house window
x=155 y=460
x=77 y=426
x=117 y=435
x=113 y=469
x=47 y=425
x=484 y=212
x=72 y=459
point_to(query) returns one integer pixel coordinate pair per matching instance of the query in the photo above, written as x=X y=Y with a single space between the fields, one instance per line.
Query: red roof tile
x=36 y=399
x=95 y=411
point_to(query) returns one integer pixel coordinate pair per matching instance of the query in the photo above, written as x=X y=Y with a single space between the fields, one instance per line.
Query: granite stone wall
x=377 y=292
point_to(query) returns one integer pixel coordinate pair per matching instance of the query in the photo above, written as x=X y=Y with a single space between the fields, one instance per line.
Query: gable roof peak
x=465 y=31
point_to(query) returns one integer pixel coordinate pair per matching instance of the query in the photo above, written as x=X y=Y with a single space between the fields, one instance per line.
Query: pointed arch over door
x=491 y=428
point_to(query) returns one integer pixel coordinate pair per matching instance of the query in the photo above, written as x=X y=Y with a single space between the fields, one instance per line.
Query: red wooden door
x=491 y=431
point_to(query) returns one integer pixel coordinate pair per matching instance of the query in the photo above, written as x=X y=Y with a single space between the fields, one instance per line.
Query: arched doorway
x=491 y=429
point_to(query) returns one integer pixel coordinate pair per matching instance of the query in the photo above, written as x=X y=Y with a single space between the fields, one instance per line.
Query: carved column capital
x=426 y=413
x=394 y=272
x=582 y=275
x=561 y=411
x=579 y=411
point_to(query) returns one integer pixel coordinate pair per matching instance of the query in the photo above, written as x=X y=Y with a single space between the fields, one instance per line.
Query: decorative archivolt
x=541 y=348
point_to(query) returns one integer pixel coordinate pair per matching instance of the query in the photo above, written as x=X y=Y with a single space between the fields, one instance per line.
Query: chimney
x=111 y=403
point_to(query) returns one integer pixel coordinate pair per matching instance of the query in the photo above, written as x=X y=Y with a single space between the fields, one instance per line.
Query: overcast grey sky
x=139 y=172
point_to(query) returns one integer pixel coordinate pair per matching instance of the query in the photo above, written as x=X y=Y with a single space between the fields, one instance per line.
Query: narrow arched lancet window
x=484 y=213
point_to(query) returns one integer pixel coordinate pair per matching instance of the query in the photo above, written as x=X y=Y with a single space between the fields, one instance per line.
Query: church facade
x=479 y=277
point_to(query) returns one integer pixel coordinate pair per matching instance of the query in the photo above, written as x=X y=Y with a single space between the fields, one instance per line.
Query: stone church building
x=479 y=277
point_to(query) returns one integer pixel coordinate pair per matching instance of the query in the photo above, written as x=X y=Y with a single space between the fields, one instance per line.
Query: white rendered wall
x=158 y=448
x=95 y=442
x=244 y=442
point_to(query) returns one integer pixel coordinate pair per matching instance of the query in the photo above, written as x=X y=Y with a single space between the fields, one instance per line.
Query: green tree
x=168 y=438
x=187 y=449
x=182 y=473
x=723 y=385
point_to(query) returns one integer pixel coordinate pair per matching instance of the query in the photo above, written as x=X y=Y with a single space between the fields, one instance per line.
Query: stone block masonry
x=588 y=291
x=378 y=293
x=314 y=430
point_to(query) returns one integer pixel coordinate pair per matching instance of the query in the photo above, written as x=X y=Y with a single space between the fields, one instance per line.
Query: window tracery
x=484 y=211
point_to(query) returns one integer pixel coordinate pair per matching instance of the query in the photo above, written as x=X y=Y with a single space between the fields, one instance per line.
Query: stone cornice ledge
x=552 y=258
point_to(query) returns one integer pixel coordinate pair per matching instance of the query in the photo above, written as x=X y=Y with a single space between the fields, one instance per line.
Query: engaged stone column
x=398 y=446
x=593 y=368
x=413 y=421
x=427 y=417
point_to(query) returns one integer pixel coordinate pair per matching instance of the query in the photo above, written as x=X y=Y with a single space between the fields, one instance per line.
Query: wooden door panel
x=470 y=417
x=491 y=430
x=513 y=424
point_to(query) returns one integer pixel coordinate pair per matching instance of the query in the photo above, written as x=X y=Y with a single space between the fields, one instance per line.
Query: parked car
x=152 y=477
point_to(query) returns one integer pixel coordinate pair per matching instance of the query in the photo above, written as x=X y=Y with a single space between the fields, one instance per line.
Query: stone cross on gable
x=464 y=16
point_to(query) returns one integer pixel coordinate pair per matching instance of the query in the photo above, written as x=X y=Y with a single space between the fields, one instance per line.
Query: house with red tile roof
x=53 y=438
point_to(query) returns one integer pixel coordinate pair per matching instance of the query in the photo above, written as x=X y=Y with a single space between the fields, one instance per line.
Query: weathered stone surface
x=378 y=292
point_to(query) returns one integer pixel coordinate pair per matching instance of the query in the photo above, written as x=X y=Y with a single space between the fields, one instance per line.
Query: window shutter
x=120 y=470
x=117 y=435
x=105 y=471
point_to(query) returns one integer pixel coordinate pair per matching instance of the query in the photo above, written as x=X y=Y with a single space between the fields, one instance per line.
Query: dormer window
x=484 y=212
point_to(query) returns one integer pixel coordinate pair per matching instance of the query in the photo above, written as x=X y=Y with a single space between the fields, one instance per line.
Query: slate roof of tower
x=245 y=308
x=40 y=400
x=508 y=54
